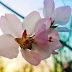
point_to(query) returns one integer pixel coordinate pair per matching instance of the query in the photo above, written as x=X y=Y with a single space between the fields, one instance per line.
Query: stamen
x=24 y=34
x=26 y=41
x=52 y=22
x=50 y=39
x=53 y=27
x=18 y=40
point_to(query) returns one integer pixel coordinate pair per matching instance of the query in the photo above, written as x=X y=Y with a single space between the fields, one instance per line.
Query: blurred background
x=56 y=63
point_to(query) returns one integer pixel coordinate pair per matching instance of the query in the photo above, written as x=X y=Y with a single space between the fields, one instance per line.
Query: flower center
x=25 y=42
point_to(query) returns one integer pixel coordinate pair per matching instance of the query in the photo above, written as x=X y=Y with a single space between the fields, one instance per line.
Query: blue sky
x=24 y=7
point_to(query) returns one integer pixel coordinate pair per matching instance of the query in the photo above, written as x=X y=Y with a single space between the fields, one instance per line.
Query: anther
x=50 y=39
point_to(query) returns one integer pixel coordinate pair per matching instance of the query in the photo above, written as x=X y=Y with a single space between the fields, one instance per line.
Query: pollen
x=25 y=42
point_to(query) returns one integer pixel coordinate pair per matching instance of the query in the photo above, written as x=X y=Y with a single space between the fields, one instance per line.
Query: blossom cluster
x=37 y=37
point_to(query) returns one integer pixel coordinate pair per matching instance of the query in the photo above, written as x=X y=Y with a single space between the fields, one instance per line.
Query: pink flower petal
x=61 y=15
x=43 y=50
x=40 y=24
x=10 y=24
x=30 y=56
x=8 y=46
x=48 y=8
x=54 y=34
x=41 y=36
x=30 y=21
x=53 y=40
x=45 y=47
x=41 y=44
x=55 y=44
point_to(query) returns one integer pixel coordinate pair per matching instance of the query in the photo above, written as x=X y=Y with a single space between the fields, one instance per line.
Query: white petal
x=63 y=29
x=61 y=15
x=30 y=21
x=48 y=8
x=8 y=46
x=10 y=24
x=30 y=56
